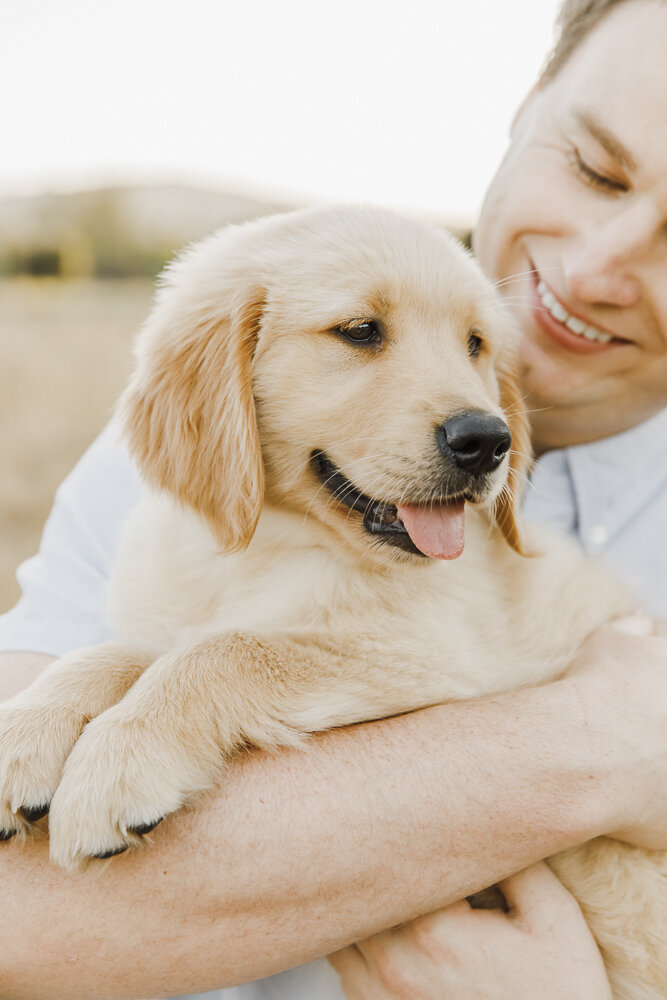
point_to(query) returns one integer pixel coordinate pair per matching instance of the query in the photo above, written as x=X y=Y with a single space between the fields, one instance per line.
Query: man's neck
x=559 y=428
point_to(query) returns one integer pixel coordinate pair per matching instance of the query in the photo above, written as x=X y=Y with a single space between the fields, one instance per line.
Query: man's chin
x=552 y=382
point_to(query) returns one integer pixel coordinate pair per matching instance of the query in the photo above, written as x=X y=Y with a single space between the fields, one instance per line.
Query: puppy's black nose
x=477 y=441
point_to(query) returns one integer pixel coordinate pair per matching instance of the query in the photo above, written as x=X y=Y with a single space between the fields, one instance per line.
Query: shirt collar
x=614 y=478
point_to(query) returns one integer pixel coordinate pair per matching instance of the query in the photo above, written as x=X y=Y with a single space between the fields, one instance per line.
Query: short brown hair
x=575 y=20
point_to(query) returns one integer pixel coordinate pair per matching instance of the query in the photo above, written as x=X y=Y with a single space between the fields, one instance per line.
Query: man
x=300 y=855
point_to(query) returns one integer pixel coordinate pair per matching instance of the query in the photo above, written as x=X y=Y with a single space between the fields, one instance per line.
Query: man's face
x=574 y=227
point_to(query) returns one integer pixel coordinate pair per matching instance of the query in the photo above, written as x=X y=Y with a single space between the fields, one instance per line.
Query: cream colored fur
x=253 y=608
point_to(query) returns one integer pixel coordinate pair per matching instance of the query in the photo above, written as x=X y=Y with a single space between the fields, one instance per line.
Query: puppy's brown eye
x=360 y=333
x=475 y=344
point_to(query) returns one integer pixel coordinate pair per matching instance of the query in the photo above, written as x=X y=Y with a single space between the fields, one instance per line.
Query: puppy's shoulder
x=167 y=567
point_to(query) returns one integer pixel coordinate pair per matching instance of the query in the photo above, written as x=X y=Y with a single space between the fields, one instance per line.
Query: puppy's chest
x=170 y=585
x=487 y=621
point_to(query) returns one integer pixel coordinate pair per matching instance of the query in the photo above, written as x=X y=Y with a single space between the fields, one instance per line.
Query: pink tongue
x=438 y=530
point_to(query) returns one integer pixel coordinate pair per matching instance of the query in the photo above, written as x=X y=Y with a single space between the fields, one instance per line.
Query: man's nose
x=602 y=266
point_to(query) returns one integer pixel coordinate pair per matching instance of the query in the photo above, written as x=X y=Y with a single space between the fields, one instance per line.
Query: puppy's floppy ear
x=509 y=501
x=188 y=413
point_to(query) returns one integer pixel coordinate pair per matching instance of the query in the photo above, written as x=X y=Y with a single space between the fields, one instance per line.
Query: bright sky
x=401 y=102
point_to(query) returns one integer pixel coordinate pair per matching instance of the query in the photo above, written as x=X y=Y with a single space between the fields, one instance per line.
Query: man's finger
x=356 y=980
x=536 y=894
x=347 y=960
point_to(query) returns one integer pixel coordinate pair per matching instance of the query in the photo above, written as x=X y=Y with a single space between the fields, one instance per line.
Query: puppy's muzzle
x=475 y=441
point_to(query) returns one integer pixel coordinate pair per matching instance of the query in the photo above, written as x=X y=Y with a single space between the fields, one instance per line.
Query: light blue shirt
x=611 y=495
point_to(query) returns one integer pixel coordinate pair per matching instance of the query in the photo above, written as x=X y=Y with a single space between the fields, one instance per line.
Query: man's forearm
x=299 y=854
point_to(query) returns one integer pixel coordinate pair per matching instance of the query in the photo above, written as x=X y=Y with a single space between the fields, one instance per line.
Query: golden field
x=65 y=354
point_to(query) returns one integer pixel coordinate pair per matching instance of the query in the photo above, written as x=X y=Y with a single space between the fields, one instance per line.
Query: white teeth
x=590 y=333
x=576 y=325
x=558 y=311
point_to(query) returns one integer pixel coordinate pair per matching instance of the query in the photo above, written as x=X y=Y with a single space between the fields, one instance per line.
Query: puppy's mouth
x=435 y=529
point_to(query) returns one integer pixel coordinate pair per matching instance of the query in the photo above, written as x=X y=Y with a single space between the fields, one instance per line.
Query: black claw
x=7 y=834
x=145 y=827
x=110 y=854
x=32 y=813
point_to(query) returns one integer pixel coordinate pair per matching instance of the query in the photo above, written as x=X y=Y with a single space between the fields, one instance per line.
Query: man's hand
x=541 y=948
x=627 y=662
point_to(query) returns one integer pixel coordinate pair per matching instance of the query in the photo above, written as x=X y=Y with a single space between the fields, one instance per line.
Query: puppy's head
x=346 y=363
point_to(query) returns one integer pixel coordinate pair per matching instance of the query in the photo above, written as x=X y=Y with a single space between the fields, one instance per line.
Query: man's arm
x=301 y=853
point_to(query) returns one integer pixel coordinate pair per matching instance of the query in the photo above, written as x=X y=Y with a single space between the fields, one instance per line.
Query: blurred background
x=131 y=129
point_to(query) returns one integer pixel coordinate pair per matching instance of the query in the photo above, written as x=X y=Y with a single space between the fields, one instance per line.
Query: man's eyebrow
x=610 y=142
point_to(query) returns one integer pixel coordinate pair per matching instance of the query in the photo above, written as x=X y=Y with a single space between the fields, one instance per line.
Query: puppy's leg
x=168 y=739
x=40 y=725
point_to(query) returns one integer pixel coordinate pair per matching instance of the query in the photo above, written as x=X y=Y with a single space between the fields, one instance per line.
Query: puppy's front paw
x=35 y=741
x=120 y=780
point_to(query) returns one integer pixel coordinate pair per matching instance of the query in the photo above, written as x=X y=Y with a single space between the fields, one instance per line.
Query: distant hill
x=118 y=232
x=114 y=232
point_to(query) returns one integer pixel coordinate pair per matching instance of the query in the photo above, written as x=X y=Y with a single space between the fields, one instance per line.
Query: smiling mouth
x=573 y=323
x=571 y=330
x=434 y=529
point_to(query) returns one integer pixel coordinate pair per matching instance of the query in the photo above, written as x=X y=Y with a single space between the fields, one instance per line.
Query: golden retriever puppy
x=326 y=413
